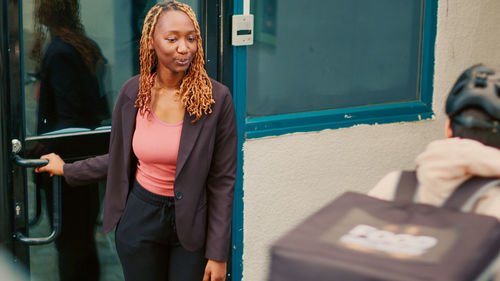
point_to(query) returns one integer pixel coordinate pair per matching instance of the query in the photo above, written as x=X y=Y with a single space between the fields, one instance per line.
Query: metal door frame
x=220 y=64
x=215 y=25
x=13 y=127
x=6 y=206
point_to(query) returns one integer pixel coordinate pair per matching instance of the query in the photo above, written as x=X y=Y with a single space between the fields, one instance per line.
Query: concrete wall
x=286 y=178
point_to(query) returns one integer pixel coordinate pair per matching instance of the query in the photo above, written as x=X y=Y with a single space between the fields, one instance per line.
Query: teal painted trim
x=344 y=113
x=336 y=118
x=377 y=114
x=428 y=46
x=239 y=96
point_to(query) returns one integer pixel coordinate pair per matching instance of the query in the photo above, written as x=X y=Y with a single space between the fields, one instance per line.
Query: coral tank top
x=156 y=145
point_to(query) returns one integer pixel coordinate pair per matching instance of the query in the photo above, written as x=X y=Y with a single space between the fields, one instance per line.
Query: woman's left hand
x=215 y=271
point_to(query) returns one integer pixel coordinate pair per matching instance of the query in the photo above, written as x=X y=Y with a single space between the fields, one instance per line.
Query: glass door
x=40 y=41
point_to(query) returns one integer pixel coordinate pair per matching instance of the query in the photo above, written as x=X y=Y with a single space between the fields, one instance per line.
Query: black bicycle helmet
x=479 y=87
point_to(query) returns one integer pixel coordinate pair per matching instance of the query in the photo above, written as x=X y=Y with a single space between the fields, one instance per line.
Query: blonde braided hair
x=195 y=89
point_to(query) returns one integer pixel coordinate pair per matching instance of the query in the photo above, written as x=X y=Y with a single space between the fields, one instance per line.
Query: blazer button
x=178 y=195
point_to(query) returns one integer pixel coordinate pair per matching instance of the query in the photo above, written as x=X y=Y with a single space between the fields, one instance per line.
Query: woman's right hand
x=55 y=166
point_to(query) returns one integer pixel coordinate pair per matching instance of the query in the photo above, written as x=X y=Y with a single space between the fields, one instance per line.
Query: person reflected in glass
x=171 y=166
x=69 y=93
x=69 y=96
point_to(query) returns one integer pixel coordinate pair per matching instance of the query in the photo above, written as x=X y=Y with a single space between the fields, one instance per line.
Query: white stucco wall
x=286 y=178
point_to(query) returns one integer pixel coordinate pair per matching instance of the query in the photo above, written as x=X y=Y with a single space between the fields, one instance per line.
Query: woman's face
x=174 y=41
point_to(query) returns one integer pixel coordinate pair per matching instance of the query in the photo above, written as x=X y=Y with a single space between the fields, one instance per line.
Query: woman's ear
x=448 y=130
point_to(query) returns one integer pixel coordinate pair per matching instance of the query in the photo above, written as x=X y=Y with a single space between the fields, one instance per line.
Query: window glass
x=310 y=56
x=115 y=26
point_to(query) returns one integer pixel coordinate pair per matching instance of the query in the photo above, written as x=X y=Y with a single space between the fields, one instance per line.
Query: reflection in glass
x=114 y=25
x=332 y=54
x=70 y=70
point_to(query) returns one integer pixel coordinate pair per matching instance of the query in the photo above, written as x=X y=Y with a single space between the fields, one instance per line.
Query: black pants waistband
x=152 y=198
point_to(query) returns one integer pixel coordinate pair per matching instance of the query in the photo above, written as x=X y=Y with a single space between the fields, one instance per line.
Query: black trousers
x=147 y=242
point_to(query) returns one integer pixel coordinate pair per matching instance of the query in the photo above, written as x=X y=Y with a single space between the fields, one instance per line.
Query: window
x=329 y=64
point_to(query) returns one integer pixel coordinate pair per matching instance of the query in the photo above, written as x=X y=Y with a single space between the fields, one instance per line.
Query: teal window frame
x=256 y=127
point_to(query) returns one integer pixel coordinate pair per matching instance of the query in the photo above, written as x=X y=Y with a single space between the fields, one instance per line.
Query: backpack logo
x=373 y=238
x=361 y=231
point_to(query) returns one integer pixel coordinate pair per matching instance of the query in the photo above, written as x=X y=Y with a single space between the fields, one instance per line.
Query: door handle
x=56 y=204
x=56 y=218
x=30 y=163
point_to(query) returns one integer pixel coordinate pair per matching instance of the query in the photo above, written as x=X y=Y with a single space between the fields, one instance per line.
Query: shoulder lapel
x=189 y=135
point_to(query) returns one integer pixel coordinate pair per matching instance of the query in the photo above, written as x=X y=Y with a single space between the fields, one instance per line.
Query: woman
x=171 y=165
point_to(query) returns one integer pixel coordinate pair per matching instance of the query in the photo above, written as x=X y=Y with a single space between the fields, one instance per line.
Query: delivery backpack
x=358 y=237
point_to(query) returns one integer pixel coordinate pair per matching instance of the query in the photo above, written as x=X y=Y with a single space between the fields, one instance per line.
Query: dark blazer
x=204 y=177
